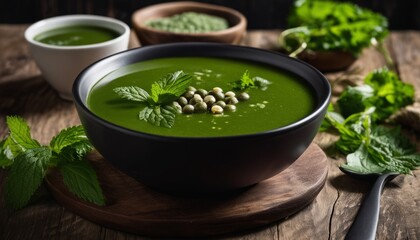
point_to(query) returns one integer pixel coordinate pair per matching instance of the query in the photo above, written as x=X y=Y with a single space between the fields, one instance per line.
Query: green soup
x=76 y=35
x=286 y=100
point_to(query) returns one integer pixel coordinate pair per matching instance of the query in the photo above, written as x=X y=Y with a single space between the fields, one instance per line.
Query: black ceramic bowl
x=239 y=161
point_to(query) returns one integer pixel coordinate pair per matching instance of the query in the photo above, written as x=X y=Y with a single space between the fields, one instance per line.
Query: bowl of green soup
x=63 y=46
x=201 y=118
x=188 y=22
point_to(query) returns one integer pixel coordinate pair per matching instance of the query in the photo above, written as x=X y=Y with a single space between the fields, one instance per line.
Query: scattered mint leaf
x=358 y=161
x=132 y=93
x=393 y=151
x=371 y=148
x=382 y=89
x=81 y=179
x=261 y=83
x=29 y=161
x=19 y=139
x=75 y=151
x=353 y=99
x=26 y=175
x=68 y=137
x=170 y=87
x=158 y=115
x=5 y=161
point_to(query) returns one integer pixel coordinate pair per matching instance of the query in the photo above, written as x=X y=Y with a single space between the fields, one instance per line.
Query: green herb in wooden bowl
x=322 y=27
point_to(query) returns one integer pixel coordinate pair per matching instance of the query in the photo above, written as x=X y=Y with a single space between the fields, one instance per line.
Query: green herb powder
x=189 y=22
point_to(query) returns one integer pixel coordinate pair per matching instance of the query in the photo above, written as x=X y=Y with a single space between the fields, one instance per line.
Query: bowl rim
x=76 y=90
x=29 y=35
x=157 y=7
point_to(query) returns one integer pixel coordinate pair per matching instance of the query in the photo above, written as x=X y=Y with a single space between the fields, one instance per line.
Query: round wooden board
x=135 y=208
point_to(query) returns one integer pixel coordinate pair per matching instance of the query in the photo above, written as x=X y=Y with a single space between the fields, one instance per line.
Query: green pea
x=243 y=96
x=216 y=109
x=230 y=94
x=209 y=99
x=230 y=108
x=231 y=100
x=191 y=88
x=202 y=92
x=200 y=107
x=222 y=104
x=182 y=101
x=189 y=94
x=188 y=109
x=177 y=107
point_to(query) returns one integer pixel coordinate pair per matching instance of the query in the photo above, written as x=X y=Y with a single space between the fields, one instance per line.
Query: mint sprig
x=29 y=162
x=372 y=148
x=245 y=82
x=163 y=92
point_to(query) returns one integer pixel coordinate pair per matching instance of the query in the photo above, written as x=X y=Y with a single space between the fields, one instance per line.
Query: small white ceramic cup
x=60 y=65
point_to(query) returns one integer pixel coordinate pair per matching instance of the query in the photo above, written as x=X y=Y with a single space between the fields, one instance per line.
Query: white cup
x=60 y=65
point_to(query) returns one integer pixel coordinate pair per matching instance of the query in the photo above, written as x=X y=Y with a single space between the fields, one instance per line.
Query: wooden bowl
x=328 y=61
x=147 y=35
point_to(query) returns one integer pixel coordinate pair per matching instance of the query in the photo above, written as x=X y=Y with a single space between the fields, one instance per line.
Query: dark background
x=261 y=14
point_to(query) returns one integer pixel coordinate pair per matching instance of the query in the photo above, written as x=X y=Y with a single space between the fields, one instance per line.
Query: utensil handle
x=366 y=221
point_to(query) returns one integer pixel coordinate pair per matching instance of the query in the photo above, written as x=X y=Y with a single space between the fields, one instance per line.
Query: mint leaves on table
x=373 y=148
x=370 y=147
x=158 y=110
x=382 y=89
x=29 y=162
x=245 y=82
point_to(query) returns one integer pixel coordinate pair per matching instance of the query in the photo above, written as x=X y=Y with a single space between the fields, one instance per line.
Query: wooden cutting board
x=135 y=208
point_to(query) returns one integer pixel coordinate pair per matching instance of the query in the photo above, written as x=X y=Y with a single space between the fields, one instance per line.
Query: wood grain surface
x=135 y=208
x=24 y=92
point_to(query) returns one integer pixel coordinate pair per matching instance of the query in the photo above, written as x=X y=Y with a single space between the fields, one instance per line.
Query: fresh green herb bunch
x=158 y=110
x=373 y=148
x=325 y=25
x=28 y=162
x=382 y=89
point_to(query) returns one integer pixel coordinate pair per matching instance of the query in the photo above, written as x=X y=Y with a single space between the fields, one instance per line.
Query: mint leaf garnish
x=29 y=161
x=81 y=179
x=158 y=115
x=132 y=93
x=168 y=89
x=26 y=175
x=245 y=82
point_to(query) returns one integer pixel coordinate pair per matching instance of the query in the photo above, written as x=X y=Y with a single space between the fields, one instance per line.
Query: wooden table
x=24 y=92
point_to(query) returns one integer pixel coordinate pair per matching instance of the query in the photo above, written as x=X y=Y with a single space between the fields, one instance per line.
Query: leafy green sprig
x=245 y=82
x=382 y=89
x=373 y=148
x=324 y=25
x=158 y=110
x=29 y=162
